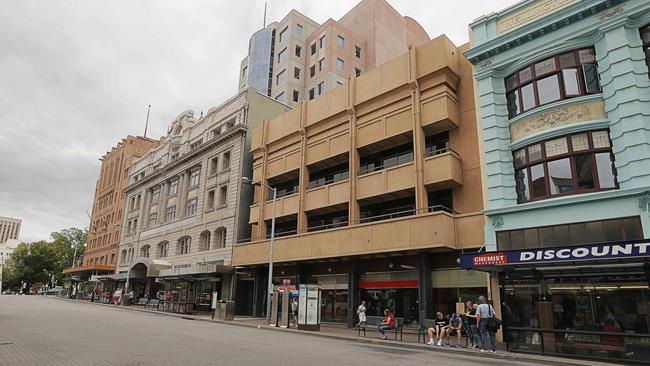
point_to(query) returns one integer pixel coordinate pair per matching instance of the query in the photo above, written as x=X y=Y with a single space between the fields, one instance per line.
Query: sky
x=77 y=76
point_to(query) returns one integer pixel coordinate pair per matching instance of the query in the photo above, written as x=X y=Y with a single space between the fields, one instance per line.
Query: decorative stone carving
x=530 y=13
x=611 y=12
x=562 y=116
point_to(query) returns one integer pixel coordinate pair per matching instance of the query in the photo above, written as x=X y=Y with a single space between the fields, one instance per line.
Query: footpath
x=342 y=332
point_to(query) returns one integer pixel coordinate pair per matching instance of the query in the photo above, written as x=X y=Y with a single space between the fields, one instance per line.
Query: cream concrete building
x=186 y=206
x=379 y=189
x=9 y=228
x=298 y=59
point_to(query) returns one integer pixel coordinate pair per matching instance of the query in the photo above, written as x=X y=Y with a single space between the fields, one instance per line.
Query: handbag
x=493 y=322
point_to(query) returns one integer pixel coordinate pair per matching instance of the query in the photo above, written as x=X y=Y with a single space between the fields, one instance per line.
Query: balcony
x=443 y=169
x=388 y=180
x=327 y=195
x=440 y=112
x=287 y=205
x=426 y=231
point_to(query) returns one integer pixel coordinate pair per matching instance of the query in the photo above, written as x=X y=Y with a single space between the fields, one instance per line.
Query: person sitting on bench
x=455 y=325
x=440 y=330
x=388 y=323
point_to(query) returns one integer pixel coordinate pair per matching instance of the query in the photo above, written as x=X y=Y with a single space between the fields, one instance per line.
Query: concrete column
x=304 y=172
x=226 y=286
x=421 y=201
x=425 y=290
x=353 y=158
x=263 y=191
x=259 y=297
x=353 y=290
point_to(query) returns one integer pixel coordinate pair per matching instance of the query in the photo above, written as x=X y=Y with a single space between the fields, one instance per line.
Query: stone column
x=162 y=201
x=183 y=188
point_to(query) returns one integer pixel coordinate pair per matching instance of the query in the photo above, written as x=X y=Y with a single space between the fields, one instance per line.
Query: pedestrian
x=439 y=330
x=470 y=314
x=455 y=328
x=361 y=313
x=387 y=323
x=294 y=311
x=485 y=311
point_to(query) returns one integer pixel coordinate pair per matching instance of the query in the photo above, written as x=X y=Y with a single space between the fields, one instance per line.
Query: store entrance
x=403 y=302
x=334 y=305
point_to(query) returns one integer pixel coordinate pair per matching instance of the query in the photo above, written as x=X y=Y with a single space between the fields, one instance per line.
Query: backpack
x=493 y=323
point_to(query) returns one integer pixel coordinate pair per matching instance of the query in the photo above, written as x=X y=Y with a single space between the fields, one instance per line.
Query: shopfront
x=589 y=301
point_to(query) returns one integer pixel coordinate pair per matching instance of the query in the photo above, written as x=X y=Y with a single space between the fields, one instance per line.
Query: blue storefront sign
x=573 y=253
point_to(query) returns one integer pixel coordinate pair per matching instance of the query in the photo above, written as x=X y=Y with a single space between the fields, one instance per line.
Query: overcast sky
x=77 y=76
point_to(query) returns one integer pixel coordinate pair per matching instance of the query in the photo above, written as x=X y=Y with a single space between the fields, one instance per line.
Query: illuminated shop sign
x=558 y=254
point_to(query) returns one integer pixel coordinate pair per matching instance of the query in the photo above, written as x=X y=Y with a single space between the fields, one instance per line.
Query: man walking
x=485 y=311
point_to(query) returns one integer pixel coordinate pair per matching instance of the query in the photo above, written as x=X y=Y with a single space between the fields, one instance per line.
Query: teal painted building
x=563 y=94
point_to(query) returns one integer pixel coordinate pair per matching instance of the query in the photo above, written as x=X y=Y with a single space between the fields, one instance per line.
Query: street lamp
x=246 y=180
x=128 y=273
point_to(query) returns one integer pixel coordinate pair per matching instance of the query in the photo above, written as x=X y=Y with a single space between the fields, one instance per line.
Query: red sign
x=286 y=282
x=387 y=284
x=490 y=259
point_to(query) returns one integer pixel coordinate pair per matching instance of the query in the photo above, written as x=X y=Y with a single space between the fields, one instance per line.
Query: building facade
x=100 y=256
x=9 y=229
x=298 y=59
x=185 y=205
x=379 y=188
x=564 y=99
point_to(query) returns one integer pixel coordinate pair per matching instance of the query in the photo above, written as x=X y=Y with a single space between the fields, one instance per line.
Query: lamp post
x=128 y=273
x=246 y=180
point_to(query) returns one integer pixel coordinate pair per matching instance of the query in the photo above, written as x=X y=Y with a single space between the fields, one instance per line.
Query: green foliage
x=34 y=262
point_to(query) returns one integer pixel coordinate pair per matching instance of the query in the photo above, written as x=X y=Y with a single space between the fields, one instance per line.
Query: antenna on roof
x=264 y=25
x=147 y=123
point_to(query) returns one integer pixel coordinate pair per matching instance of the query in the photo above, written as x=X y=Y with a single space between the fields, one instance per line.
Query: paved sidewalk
x=340 y=331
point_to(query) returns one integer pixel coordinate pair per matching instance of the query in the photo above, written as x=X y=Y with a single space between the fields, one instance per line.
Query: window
x=281 y=77
x=388 y=158
x=357 y=71
x=312 y=70
x=311 y=93
x=321 y=64
x=591 y=232
x=436 y=144
x=194 y=177
x=313 y=48
x=210 y=199
x=280 y=97
x=184 y=245
x=357 y=51
x=328 y=176
x=163 y=249
x=340 y=41
x=214 y=165
x=340 y=64
x=173 y=187
x=296 y=96
x=220 y=237
x=191 y=206
x=321 y=41
x=155 y=195
x=321 y=87
x=296 y=73
x=196 y=145
x=223 y=195
x=282 y=34
x=299 y=29
x=327 y=221
x=225 y=161
x=170 y=214
x=563 y=76
x=285 y=188
x=645 y=38
x=204 y=240
x=298 y=51
x=153 y=218
x=144 y=251
x=243 y=72
x=573 y=164
x=282 y=56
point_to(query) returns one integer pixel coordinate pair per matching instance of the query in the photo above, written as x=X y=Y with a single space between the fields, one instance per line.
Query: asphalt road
x=43 y=331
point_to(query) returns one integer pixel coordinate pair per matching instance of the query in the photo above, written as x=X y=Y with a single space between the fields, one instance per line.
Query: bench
x=431 y=323
x=153 y=303
x=141 y=302
x=376 y=320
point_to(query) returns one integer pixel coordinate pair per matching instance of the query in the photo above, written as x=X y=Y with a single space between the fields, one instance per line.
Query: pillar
x=226 y=286
x=259 y=296
x=353 y=290
x=425 y=288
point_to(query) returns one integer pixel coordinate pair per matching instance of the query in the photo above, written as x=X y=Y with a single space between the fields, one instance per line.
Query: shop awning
x=196 y=270
x=575 y=255
x=112 y=277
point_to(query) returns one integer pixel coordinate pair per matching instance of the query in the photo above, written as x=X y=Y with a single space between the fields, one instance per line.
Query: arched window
x=144 y=251
x=204 y=240
x=184 y=244
x=123 y=256
x=220 y=237
x=163 y=249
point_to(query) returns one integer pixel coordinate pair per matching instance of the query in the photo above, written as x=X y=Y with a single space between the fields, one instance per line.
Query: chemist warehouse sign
x=555 y=255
